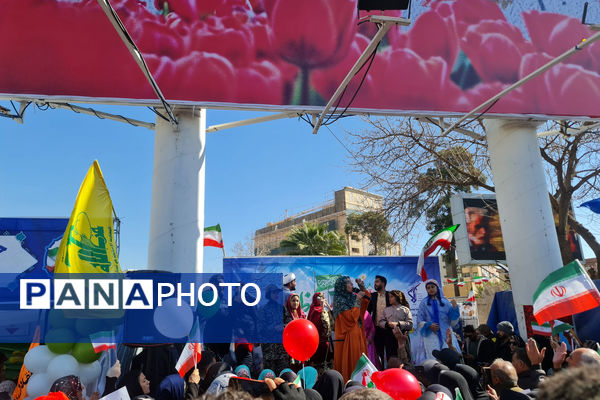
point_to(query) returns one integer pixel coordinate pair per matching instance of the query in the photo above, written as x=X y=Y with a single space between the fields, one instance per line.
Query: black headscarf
x=131 y=381
x=330 y=385
x=453 y=380
x=437 y=388
x=214 y=370
x=432 y=371
x=312 y=394
x=472 y=378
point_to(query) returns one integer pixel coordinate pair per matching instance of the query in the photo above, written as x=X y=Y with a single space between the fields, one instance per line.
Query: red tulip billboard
x=292 y=55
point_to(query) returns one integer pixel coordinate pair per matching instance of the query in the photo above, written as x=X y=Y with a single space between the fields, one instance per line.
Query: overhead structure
x=289 y=58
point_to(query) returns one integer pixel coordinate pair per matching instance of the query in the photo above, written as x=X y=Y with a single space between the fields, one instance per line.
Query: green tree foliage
x=313 y=240
x=374 y=226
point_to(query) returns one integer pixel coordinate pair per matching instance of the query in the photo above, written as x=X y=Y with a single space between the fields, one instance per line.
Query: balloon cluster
x=68 y=351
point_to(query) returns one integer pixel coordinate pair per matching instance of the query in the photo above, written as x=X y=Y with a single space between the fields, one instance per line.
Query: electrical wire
x=481 y=114
x=144 y=66
x=370 y=61
x=157 y=113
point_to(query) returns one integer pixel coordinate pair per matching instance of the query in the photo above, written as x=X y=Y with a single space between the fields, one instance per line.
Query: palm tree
x=313 y=240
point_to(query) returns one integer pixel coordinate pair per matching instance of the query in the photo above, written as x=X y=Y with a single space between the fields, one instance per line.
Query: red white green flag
x=443 y=239
x=566 y=291
x=460 y=284
x=213 y=236
x=451 y=280
x=191 y=353
x=543 y=330
x=478 y=280
x=471 y=296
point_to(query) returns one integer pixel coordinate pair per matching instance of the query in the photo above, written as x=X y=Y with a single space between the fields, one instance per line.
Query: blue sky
x=253 y=173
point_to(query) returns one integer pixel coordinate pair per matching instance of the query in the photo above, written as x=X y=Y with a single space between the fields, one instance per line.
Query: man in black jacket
x=379 y=301
x=529 y=377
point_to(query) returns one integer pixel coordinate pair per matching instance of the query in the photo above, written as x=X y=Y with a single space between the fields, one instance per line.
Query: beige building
x=334 y=214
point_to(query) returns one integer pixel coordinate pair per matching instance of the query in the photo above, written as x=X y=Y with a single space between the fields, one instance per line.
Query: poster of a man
x=483 y=230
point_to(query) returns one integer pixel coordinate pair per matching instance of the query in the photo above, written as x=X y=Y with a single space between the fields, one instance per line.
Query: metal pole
x=387 y=22
x=583 y=44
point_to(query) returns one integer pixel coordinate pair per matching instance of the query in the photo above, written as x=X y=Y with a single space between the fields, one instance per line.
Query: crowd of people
x=478 y=365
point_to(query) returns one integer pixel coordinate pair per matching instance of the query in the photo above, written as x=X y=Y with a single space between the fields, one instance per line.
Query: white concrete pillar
x=177 y=211
x=526 y=218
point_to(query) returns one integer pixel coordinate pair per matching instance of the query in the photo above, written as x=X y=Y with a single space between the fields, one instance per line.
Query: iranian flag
x=478 y=280
x=102 y=341
x=451 y=280
x=543 y=330
x=363 y=370
x=471 y=296
x=566 y=291
x=460 y=284
x=213 y=236
x=443 y=239
x=192 y=352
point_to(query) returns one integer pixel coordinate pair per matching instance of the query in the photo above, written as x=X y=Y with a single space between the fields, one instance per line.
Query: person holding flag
x=436 y=314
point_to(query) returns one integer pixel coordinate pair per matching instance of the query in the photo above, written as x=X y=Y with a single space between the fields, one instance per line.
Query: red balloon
x=300 y=339
x=398 y=383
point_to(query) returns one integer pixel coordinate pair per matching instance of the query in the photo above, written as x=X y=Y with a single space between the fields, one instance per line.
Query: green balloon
x=60 y=341
x=84 y=353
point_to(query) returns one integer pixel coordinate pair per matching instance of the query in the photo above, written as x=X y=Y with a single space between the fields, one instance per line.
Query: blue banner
x=30 y=244
x=319 y=273
x=140 y=308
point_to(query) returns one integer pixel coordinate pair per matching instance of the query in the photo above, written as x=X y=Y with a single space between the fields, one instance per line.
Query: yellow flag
x=88 y=244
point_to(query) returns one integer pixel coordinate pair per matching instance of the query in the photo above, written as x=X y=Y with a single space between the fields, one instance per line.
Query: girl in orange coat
x=348 y=311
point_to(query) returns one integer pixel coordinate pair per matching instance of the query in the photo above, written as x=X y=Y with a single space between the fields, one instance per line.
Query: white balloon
x=37 y=359
x=173 y=321
x=38 y=385
x=89 y=373
x=62 y=365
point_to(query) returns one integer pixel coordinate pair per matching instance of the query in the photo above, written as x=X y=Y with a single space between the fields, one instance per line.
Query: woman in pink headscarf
x=370 y=334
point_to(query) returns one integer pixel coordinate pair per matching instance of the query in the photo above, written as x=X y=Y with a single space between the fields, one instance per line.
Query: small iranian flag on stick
x=363 y=370
x=543 y=330
x=213 y=236
x=191 y=353
x=566 y=291
x=443 y=239
x=102 y=341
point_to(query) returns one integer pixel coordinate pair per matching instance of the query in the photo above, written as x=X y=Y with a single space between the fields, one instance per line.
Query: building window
x=355 y=238
x=355 y=250
x=331 y=225
x=466 y=275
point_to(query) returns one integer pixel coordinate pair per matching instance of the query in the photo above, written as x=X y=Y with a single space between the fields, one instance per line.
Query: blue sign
x=30 y=244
